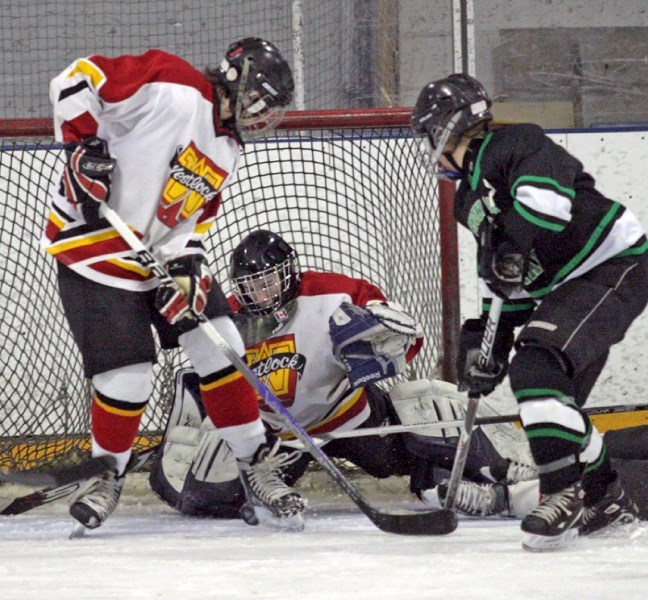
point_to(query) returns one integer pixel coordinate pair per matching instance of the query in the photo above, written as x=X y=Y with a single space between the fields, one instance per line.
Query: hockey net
x=344 y=188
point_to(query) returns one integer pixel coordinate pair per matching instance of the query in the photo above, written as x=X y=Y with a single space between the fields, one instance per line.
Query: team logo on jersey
x=277 y=363
x=484 y=206
x=193 y=183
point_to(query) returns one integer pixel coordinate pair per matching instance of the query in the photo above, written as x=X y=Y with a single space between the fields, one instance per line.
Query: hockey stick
x=465 y=434
x=437 y=522
x=22 y=504
x=60 y=477
x=593 y=412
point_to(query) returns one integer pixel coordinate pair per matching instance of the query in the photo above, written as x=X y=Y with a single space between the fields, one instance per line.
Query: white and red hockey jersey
x=296 y=360
x=174 y=158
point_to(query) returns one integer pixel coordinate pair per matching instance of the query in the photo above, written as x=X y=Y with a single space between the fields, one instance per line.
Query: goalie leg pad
x=212 y=487
x=433 y=451
x=173 y=462
x=196 y=473
x=523 y=497
x=188 y=407
x=420 y=402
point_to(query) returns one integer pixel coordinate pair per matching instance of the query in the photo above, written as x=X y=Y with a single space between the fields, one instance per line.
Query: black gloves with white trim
x=87 y=176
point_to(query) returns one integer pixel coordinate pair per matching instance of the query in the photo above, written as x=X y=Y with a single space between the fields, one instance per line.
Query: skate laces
x=101 y=493
x=553 y=505
x=589 y=514
x=265 y=478
x=475 y=498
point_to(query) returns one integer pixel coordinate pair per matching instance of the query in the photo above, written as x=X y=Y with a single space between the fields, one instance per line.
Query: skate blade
x=545 y=543
x=78 y=531
x=430 y=498
x=292 y=523
x=623 y=528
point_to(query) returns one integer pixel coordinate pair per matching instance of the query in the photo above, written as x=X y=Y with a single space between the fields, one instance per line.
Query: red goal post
x=345 y=188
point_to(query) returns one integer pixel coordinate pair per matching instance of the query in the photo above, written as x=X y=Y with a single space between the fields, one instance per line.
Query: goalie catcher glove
x=471 y=377
x=371 y=343
x=87 y=175
x=180 y=307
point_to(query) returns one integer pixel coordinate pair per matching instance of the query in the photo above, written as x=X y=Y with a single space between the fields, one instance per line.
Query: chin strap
x=458 y=172
x=468 y=160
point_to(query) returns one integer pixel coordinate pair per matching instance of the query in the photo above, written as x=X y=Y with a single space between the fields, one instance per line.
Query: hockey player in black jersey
x=571 y=265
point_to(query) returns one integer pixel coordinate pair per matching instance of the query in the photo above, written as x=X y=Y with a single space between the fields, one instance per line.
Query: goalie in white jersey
x=320 y=341
x=158 y=140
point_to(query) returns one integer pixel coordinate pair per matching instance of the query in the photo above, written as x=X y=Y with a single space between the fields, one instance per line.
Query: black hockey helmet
x=264 y=272
x=445 y=110
x=258 y=81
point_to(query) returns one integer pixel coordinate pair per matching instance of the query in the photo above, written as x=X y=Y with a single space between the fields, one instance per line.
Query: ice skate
x=614 y=510
x=554 y=523
x=478 y=500
x=96 y=500
x=270 y=501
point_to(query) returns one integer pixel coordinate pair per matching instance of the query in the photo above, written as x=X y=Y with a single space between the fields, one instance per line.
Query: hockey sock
x=115 y=423
x=554 y=425
x=232 y=404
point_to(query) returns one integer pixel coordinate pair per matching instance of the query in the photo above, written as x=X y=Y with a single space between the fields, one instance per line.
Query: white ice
x=146 y=550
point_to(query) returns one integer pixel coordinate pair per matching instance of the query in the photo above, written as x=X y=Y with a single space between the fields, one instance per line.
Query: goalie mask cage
x=345 y=188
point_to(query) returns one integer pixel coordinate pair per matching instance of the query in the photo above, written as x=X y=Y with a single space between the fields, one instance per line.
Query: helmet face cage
x=264 y=273
x=444 y=111
x=260 y=85
x=256 y=110
x=269 y=290
x=431 y=147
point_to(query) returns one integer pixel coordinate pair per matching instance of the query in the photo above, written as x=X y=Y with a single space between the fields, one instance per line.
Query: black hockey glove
x=501 y=264
x=181 y=306
x=470 y=377
x=87 y=175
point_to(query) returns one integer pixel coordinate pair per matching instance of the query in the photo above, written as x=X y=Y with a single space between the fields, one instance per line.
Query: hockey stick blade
x=59 y=477
x=23 y=504
x=436 y=522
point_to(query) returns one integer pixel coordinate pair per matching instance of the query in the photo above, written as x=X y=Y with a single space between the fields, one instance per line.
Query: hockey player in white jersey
x=320 y=341
x=158 y=140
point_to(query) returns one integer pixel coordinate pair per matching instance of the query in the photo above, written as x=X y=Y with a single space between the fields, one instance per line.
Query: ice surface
x=146 y=550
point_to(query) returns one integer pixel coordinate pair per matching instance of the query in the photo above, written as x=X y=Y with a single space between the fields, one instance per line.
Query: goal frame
x=351 y=125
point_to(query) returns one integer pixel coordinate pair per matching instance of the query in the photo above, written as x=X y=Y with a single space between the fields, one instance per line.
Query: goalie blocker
x=196 y=474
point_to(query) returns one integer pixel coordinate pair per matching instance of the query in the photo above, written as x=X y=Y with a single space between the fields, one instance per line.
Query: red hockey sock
x=115 y=423
x=228 y=399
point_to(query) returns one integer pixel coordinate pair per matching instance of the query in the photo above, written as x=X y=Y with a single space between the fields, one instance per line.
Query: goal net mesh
x=349 y=198
x=344 y=53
